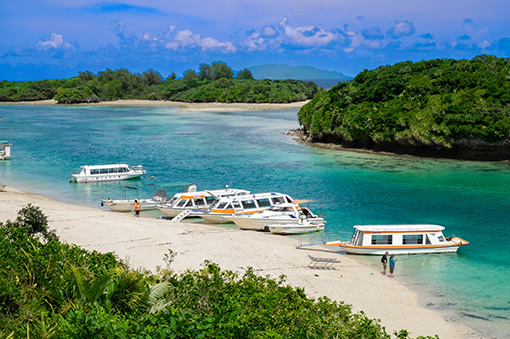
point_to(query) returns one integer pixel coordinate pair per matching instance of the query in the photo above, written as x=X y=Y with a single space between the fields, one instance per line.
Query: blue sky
x=58 y=38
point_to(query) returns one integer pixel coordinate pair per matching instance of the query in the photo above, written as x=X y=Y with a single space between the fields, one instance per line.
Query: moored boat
x=399 y=239
x=196 y=200
x=5 y=150
x=160 y=195
x=285 y=213
x=95 y=173
x=241 y=205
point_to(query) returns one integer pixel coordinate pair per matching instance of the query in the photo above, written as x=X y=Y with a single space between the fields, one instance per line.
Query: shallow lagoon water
x=252 y=150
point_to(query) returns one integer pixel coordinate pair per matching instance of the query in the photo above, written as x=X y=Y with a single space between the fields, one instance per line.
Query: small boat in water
x=5 y=150
x=159 y=196
x=112 y=172
x=285 y=213
x=300 y=227
x=399 y=239
x=196 y=201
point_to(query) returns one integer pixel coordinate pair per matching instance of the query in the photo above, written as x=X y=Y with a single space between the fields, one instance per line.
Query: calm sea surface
x=252 y=151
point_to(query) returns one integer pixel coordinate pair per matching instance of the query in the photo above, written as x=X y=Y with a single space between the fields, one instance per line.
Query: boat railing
x=137 y=168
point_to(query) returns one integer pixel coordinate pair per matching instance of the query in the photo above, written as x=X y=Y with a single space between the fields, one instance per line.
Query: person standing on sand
x=137 y=208
x=392 y=264
x=384 y=261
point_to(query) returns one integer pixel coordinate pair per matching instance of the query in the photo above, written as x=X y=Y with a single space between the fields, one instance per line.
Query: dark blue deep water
x=252 y=151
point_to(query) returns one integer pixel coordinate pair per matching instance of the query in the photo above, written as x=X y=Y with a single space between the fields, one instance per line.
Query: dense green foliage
x=213 y=83
x=54 y=290
x=440 y=104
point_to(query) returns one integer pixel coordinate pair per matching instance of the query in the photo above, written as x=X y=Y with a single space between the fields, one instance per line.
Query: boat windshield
x=249 y=204
x=278 y=200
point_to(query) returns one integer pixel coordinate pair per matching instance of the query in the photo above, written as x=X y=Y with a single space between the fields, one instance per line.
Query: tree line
x=443 y=107
x=212 y=83
x=50 y=289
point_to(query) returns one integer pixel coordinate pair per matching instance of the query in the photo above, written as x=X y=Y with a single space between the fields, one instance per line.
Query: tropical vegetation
x=50 y=289
x=212 y=83
x=445 y=107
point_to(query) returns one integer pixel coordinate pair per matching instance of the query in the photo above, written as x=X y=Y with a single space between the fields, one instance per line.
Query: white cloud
x=255 y=42
x=309 y=36
x=186 y=38
x=401 y=28
x=56 y=41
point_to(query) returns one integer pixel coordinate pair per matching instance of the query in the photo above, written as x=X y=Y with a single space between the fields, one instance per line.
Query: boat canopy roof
x=399 y=228
x=302 y=201
x=105 y=166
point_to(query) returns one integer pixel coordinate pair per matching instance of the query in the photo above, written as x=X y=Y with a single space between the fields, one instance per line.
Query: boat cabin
x=254 y=202
x=107 y=172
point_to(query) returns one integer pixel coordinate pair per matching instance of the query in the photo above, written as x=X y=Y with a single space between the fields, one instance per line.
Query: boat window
x=236 y=204
x=263 y=202
x=103 y=170
x=441 y=238
x=199 y=202
x=278 y=200
x=428 y=239
x=210 y=200
x=412 y=239
x=249 y=204
x=222 y=205
x=380 y=239
x=172 y=201
x=184 y=203
x=94 y=171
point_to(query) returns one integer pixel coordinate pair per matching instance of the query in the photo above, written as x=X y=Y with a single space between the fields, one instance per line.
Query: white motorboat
x=296 y=228
x=112 y=172
x=196 y=201
x=159 y=196
x=244 y=204
x=399 y=239
x=5 y=150
x=286 y=213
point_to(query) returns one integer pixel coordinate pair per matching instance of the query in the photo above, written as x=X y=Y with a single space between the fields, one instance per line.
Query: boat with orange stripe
x=242 y=204
x=196 y=200
x=399 y=239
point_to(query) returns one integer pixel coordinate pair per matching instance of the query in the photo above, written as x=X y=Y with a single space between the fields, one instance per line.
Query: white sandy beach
x=143 y=242
x=184 y=107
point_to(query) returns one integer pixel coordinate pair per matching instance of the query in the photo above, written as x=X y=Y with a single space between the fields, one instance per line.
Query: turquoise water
x=251 y=150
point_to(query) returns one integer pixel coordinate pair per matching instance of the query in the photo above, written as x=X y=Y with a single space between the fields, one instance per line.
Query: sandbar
x=143 y=242
x=183 y=106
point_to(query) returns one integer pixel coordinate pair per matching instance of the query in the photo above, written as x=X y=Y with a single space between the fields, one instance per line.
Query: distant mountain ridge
x=282 y=72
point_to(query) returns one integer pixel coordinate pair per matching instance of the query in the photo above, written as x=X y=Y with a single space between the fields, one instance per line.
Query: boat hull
x=294 y=228
x=215 y=218
x=173 y=212
x=261 y=224
x=127 y=205
x=113 y=177
x=450 y=247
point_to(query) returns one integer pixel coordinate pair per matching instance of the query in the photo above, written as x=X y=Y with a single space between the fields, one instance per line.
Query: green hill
x=442 y=107
x=281 y=72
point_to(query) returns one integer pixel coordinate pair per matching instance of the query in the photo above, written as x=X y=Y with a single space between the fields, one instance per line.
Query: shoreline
x=143 y=242
x=184 y=106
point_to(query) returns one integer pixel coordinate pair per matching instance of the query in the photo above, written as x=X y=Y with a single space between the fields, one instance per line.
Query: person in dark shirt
x=384 y=262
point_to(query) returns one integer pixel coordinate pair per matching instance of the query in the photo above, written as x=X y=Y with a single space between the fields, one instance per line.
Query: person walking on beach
x=392 y=264
x=384 y=261
x=137 y=208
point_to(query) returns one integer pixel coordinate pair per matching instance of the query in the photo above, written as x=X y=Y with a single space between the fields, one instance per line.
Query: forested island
x=440 y=108
x=212 y=83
